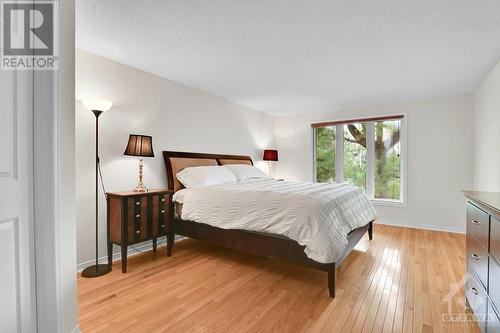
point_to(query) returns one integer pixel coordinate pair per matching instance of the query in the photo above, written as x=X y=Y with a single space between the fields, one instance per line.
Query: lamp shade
x=97 y=104
x=270 y=155
x=139 y=145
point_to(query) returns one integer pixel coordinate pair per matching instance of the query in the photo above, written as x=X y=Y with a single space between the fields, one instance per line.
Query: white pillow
x=199 y=176
x=244 y=171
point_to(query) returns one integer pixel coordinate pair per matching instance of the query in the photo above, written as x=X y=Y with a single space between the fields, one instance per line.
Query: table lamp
x=270 y=155
x=142 y=146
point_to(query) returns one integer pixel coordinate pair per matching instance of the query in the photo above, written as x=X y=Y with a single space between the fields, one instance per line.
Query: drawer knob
x=475 y=256
x=474 y=290
x=476 y=222
x=163 y=200
x=138 y=203
x=138 y=215
x=163 y=226
x=138 y=232
x=162 y=211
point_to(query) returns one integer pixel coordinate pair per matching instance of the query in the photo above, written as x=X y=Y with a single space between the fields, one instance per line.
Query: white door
x=17 y=265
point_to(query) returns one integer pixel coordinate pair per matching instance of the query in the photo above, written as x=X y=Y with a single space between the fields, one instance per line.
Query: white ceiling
x=283 y=56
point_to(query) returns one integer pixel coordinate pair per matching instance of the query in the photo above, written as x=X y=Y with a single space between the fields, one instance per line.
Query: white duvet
x=318 y=216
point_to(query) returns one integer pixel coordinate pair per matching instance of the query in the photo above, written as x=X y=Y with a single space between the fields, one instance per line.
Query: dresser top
x=489 y=199
x=132 y=193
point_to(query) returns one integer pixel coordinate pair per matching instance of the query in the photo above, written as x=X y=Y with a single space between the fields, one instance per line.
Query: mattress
x=317 y=216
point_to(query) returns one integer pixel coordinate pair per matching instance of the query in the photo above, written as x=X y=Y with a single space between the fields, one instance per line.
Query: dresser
x=135 y=217
x=482 y=288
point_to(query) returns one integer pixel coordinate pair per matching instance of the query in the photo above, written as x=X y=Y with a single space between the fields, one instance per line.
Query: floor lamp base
x=95 y=271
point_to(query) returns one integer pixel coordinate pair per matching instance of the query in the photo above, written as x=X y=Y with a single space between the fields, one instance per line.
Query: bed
x=250 y=241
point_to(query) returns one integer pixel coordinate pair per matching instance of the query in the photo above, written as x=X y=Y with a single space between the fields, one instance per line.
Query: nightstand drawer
x=137 y=219
x=478 y=223
x=147 y=217
x=161 y=210
x=477 y=259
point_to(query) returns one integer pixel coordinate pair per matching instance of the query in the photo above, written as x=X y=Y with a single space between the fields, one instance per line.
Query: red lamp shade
x=139 y=145
x=270 y=155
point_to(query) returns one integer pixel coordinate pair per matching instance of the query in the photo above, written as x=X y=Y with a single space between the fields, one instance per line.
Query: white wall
x=439 y=133
x=178 y=117
x=487 y=133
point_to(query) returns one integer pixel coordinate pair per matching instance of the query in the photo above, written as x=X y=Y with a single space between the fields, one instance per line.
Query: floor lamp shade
x=97 y=104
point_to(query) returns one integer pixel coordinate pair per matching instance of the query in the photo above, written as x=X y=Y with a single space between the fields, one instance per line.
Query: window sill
x=388 y=203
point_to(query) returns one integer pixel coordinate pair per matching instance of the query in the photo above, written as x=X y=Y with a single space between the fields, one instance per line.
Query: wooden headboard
x=176 y=161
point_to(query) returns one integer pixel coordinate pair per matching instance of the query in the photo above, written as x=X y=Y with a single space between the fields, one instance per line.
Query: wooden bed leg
x=170 y=244
x=332 y=272
x=370 y=231
x=170 y=229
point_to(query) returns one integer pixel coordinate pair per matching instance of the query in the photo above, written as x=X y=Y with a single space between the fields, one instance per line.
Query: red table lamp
x=270 y=155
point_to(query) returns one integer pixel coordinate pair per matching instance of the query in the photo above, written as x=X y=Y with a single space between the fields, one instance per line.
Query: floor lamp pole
x=97 y=269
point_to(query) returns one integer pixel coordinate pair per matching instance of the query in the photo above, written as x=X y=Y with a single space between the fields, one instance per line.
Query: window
x=363 y=152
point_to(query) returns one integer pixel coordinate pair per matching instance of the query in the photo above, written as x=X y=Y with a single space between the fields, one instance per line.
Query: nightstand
x=135 y=217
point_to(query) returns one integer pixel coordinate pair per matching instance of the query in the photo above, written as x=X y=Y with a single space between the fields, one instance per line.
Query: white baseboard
x=457 y=230
x=136 y=249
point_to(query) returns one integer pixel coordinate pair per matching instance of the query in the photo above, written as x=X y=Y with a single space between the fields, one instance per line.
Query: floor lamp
x=97 y=106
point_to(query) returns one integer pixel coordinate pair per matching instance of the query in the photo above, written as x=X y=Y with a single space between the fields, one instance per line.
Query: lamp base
x=140 y=188
x=271 y=173
x=96 y=270
x=140 y=185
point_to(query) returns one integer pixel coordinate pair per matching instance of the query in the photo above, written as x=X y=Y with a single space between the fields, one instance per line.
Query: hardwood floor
x=395 y=283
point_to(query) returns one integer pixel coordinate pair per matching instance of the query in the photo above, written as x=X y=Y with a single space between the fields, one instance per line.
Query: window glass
x=355 y=154
x=387 y=166
x=325 y=154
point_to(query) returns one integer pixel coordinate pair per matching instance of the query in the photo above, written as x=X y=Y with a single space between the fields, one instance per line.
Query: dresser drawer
x=478 y=223
x=495 y=238
x=493 y=323
x=477 y=260
x=478 y=300
x=494 y=277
